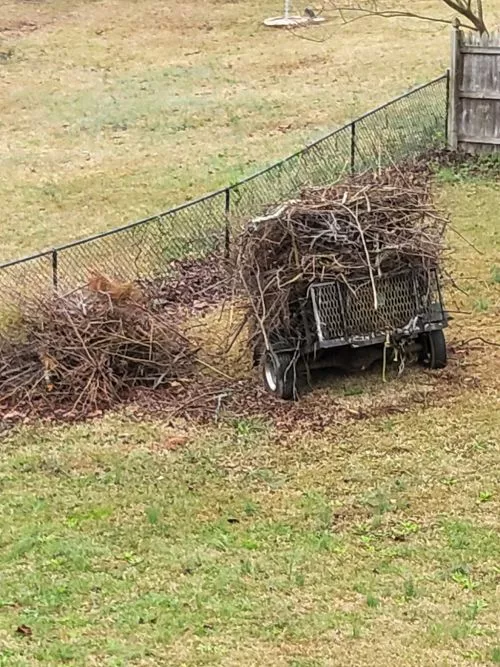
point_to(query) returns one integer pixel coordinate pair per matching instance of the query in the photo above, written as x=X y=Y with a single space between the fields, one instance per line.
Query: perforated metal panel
x=328 y=310
x=342 y=312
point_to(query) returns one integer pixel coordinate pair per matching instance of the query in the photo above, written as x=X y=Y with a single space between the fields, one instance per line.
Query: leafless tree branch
x=364 y=13
x=469 y=13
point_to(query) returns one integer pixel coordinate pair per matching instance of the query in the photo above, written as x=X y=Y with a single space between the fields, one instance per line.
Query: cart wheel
x=433 y=354
x=279 y=374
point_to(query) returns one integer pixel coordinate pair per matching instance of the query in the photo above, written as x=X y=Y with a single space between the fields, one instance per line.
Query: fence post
x=447 y=110
x=353 y=147
x=454 y=83
x=55 y=276
x=227 y=208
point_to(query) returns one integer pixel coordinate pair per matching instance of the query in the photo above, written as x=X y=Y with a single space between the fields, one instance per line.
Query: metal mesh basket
x=344 y=313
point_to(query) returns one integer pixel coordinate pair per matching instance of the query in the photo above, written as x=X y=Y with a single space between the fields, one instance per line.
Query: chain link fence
x=410 y=124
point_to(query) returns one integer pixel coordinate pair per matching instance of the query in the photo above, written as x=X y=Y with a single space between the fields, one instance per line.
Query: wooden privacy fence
x=474 y=112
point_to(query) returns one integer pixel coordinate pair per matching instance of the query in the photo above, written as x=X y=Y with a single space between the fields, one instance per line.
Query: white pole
x=287 y=8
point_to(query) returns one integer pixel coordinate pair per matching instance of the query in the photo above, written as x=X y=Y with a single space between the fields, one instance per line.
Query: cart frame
x=399 y=309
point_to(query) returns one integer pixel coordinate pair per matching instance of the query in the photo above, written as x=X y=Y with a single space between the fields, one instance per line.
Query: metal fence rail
x=405 y=126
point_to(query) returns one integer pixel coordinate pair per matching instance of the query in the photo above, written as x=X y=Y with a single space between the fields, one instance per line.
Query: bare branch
x=470 y=10
x=364 y=13
x=480 y=8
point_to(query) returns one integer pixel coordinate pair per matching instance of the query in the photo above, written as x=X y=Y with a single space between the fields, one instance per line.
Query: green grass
x=495 y=274
x=373 y=542
x=115 y=551
x=479 y=169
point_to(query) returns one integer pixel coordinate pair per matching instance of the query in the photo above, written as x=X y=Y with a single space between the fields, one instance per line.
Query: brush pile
x=85 y=352
x=369 y=226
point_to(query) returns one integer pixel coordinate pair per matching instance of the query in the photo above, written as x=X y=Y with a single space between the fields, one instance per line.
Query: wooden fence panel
x=475 y=92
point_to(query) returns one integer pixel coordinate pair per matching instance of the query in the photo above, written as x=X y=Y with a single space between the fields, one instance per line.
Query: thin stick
x=370 y=270
x=215 y=370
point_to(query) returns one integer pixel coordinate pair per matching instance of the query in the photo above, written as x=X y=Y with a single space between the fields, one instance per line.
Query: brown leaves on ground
x=209 y=400
x=174 y=442
x=192 y=285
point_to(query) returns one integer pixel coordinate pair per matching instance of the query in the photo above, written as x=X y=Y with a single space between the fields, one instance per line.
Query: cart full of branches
x=345 y=275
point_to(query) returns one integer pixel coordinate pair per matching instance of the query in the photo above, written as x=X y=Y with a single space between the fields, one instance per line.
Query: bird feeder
x=289 y=20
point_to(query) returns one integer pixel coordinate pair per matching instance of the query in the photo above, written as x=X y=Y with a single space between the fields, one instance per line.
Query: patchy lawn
x=126 y=542
x=374 y=544
x=115 y=109
x=371 y=543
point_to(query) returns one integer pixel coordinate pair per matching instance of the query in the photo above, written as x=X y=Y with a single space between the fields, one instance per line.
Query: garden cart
x=350 y=326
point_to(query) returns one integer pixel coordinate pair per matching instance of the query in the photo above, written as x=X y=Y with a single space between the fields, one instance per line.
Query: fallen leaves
x=173 y=442
x=24 y=630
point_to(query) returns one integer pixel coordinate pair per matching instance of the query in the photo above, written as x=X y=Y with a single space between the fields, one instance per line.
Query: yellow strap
x=384 y=361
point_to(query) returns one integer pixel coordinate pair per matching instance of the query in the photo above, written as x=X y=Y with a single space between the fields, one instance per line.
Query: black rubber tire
x=433 y=353
x=278 y=373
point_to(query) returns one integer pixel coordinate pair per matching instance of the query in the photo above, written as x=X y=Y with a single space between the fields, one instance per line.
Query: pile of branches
x=85 y=352
x=369 y=226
